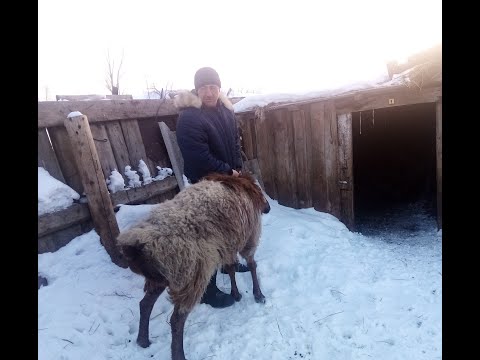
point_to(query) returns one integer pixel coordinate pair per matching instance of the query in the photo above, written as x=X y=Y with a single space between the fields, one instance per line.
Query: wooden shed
x=353 y=152
x=342 y=154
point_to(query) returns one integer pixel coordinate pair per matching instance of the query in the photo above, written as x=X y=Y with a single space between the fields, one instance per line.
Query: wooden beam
x=62 y=219
x=76 y=213
x=304 y=188
x=318 y=181
x=254 y=168
x=345 y=169
x=265 y=142
x=63 y=151
x=138 y=195
x=119 y=147
x=53 y=113
x=93 y=97
x=91 y=173
x=134 y=142
x=53 y=241
x=387 y=98
x=174 y=153
x=46 y=156
x=284 y=159
x=439 y=162
x=104 y=149
x=346 y=101
x=244 y=123
x=331 y=162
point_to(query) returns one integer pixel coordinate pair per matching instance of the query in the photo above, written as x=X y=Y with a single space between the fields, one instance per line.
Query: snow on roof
x=406 y=78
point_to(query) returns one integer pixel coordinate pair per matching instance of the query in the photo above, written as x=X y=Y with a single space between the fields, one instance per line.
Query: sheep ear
x=133 y=251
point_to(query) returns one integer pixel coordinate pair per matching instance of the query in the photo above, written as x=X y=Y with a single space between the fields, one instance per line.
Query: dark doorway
x=394 y=161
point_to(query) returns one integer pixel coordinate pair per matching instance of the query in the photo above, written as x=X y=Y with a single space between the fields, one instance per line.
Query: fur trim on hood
x=186 y=99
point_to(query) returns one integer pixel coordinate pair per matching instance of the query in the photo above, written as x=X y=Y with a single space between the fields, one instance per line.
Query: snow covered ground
x=331 y=294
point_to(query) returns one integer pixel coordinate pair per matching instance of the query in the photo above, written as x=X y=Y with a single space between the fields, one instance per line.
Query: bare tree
x=112 y=82
x=162 y=93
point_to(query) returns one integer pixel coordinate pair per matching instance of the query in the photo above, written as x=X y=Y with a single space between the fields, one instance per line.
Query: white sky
x=268 y=46
x=330 y=294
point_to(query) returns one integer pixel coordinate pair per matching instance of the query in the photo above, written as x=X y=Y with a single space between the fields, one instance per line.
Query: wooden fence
x=305 y=149
x=123 y=132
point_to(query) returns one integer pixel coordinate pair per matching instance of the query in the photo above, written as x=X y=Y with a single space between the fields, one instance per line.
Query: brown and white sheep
x=187 y=238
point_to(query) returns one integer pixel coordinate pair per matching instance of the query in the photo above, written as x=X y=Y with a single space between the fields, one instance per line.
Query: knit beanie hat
x=206 y=76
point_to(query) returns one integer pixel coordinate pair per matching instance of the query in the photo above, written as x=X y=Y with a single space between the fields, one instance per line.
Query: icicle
x=373 y=119
x=360 y=123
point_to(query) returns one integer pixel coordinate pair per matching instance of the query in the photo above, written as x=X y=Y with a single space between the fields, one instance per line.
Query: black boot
x=240 y=268
x=214 y=297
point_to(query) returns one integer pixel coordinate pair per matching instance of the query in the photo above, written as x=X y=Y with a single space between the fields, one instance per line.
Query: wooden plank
x=319 y=181
x=53 y=241
x=439 y=161
x=345 y=159
x=119 y=147
x=304 y=189
x=400 y=97
x=346 y=101
x=104 y=149
x=66 y=160
x=308 y=154
x=285 y=174
x=52 y=113
x=265 y=152
x=92 y=97
x=153 y=143
x=99 y=201
x=62 y=219
x=168 y=195
x=134 y=142
x=155 y=148
x=254 y=168
x=53 y=222
x=176 y=158
x=46 y=156
x=247 y=137
x=141 y=194
x=331 y=150
x=253 y=134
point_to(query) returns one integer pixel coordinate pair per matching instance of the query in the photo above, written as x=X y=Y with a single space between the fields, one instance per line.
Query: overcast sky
x=266 y=46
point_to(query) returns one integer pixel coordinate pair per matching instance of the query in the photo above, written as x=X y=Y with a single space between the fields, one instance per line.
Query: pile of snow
x=53 y=195
x=143 y=168
x=133 y=178
x=255 y=101
x=115 y=182
x=185 y=181
x=74 y=114
x=163 y=173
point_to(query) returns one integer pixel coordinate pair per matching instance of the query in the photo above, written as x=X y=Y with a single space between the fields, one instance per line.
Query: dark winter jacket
x=207 y=137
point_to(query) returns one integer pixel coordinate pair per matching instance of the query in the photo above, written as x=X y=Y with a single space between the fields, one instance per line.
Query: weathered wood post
x=90 y=170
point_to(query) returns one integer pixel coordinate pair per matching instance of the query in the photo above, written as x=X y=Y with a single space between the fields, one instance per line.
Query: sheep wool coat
x=207 y=137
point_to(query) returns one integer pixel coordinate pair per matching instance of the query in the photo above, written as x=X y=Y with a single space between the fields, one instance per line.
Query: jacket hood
x=186 y=99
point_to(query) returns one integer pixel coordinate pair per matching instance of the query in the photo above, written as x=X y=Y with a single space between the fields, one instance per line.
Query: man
x=208 y=138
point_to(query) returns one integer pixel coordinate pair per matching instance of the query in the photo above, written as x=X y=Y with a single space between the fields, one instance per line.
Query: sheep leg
x=152 y=291
x=257 y=293
x=230 y=269
x=177 y=323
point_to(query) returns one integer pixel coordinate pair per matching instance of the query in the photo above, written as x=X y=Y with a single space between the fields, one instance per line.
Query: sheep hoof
x=144 y=343
x=238 y=297
x=260 y=299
